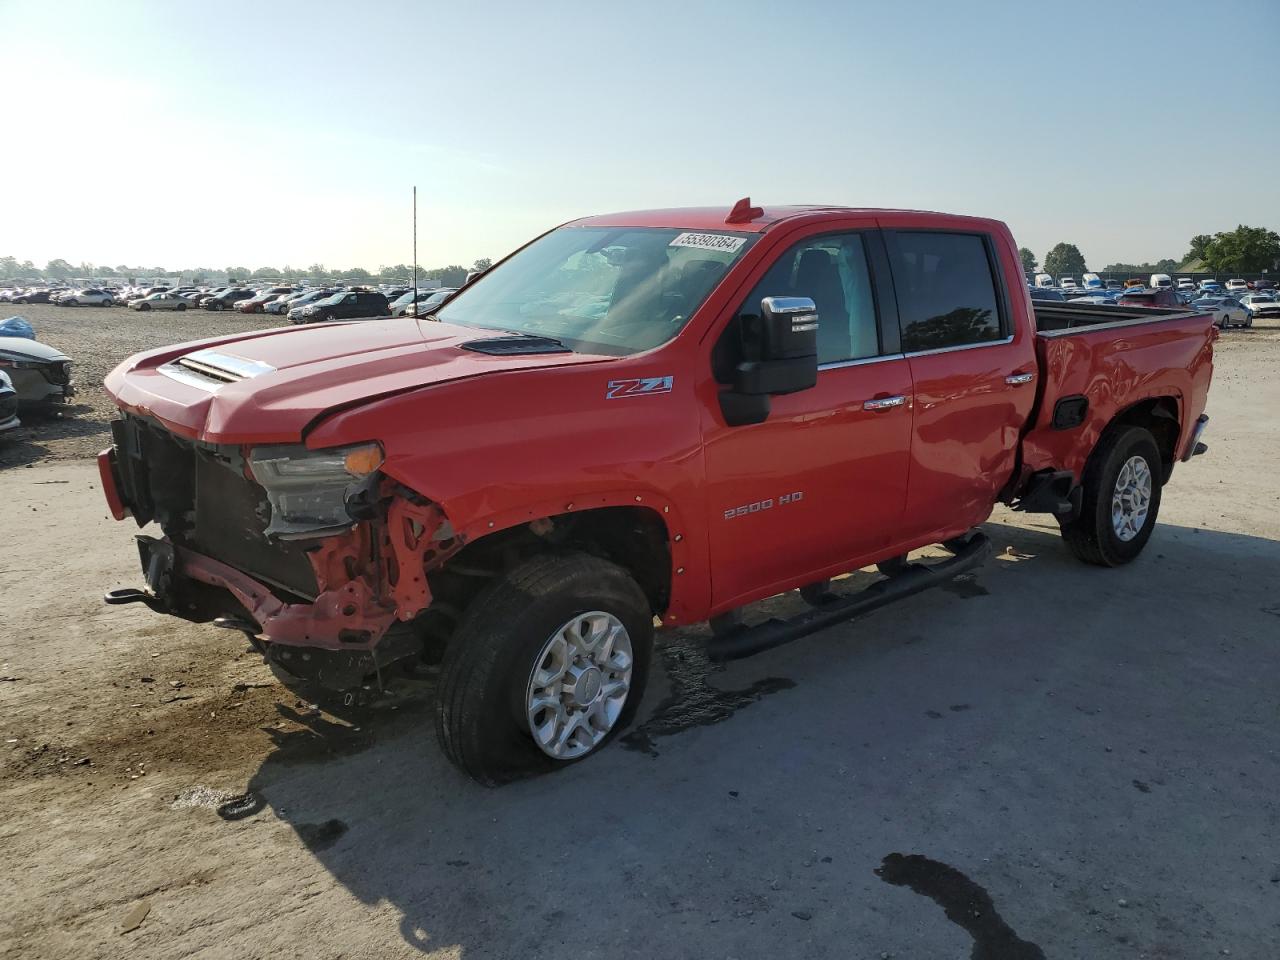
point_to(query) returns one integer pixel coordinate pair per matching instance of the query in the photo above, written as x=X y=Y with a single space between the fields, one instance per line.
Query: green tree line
x=451 y=276
x=1243 y=250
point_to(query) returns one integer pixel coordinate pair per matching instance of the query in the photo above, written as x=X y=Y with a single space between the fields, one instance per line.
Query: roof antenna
x=415 y=249
x=744 y=212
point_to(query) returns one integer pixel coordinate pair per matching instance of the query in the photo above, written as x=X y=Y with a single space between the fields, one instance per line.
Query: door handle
x=884 y=403
x=1017 y=379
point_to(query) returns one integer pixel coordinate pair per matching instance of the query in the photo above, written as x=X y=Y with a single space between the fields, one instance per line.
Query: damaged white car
x=39 y=373
x=8 y=405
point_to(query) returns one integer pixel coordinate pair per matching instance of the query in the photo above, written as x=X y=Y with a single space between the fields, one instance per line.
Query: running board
x=916 y=577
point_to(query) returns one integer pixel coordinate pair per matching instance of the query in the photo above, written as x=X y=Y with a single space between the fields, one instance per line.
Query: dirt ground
x=96 y=339
x=1043 y=760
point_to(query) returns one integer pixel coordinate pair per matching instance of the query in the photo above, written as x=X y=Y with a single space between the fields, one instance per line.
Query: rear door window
x=947 y=291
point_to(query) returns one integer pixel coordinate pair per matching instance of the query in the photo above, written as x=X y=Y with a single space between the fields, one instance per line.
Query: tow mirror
x=779 y=355
x=787 y=348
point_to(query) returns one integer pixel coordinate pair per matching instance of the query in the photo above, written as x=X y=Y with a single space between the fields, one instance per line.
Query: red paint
x=111 y=489
x=487 y=443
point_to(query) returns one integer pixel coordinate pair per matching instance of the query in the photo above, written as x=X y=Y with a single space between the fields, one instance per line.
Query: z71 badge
x=640 y=387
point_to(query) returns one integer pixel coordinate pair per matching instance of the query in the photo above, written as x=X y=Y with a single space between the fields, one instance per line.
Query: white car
x=1186 y=283
x=1226 y=311
x=87 y=298
x=1067 y=283
x=1237 y=286
x=162 y=301
x=1264 y=304
x=8 y=404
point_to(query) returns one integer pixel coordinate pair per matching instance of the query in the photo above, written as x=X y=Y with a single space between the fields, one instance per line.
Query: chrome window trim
x=838 y=364
x=964 y=346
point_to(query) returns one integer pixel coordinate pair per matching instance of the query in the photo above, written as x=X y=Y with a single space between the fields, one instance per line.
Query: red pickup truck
x=658 y=415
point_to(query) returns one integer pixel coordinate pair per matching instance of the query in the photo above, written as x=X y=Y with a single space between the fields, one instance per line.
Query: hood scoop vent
x=209 y=369
x=515 y=345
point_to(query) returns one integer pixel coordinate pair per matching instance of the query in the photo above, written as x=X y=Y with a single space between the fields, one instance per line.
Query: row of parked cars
x=1236 y=304
x=299 y=304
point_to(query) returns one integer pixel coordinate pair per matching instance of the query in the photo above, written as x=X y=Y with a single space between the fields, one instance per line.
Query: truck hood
x=269 y=386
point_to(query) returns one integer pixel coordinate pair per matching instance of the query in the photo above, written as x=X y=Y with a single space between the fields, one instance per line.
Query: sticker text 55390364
x=709 y=241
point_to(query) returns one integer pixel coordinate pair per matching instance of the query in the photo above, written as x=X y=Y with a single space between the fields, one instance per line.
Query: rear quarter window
x=947 y=292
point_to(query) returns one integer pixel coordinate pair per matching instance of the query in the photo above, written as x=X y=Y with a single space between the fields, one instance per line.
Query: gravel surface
x=96 y=339
x=1040 y=760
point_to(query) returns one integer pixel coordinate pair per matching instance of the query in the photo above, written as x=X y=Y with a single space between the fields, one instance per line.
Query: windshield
x=604 y=290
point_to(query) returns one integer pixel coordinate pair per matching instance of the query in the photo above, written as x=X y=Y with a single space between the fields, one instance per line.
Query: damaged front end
x=316 y=555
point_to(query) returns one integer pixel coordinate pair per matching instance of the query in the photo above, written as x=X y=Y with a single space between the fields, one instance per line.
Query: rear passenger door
x=973 y=374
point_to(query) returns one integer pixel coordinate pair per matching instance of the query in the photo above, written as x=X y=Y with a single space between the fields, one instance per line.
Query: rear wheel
x=1121 y=499
x=182 y=306
x=144 y=306
x=546 y=666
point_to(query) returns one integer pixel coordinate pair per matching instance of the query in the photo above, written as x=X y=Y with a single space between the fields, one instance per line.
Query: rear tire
x=181 y=307
x=1107 y=532
x=486 y=689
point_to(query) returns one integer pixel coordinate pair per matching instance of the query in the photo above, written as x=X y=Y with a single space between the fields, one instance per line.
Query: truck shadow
x=646 y=845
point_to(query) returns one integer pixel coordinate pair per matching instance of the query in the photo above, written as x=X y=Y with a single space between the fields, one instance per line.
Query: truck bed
x=1052 y=317
x=1106 y=360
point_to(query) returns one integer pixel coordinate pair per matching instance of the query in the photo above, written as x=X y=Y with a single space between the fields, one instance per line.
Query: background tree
x=265 y=273
x=454 y=275
x=237 y=273
x=1029 y=262
x=357 y=273
x=1199 y=246
x=484 y=263
x=317 y=270
x=1064 y=260
x=57 y=270
x=1243 y=250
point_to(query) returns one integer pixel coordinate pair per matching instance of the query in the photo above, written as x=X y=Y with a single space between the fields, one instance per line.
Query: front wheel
x=144 y=306
x=181 y=307
x=1121 y=499
x=546 y=666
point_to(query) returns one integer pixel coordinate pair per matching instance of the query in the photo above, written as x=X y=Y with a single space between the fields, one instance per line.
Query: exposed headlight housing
x=308 y=489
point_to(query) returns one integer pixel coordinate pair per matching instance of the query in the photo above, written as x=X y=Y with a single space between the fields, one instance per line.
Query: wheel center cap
x=587 y=687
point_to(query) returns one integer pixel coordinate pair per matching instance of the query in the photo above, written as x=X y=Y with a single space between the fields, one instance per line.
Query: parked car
x=282 y=303
x=40 y=374
x=32 y=296
x=293 y=309
x=1237 y=286
x=346 y=305
x=1114 y=285
x=428 y=306
x=358 y=495
x=85 y=298
x=255 y=303
x=225 y=299
x=8 y=405
x=1207 y=285
x=161 y=301
x=1264 y=304
x=1067 y=284
x=1160 y=281
x=1047 y=293
x=1156 y=297
x=1186 y=283
x=1226 y=311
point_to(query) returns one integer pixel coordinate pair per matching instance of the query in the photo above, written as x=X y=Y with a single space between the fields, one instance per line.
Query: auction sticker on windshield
x=709 y=241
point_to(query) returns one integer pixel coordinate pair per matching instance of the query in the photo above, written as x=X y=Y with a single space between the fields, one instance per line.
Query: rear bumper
x=1194 y=446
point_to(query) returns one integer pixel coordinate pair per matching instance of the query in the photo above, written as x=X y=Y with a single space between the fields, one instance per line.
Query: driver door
x=821 y=483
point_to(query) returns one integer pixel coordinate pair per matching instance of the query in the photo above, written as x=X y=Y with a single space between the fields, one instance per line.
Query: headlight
x=308 y=489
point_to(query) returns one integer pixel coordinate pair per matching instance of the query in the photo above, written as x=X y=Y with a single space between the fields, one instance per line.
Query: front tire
x=538 y=673
x=1120 y=501
x=181 y=307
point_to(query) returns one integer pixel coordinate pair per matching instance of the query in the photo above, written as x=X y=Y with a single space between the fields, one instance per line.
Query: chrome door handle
x=884 y=403
x=1015 y=379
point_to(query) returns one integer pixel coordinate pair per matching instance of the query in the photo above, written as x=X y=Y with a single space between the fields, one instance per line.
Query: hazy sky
x=270 y=133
